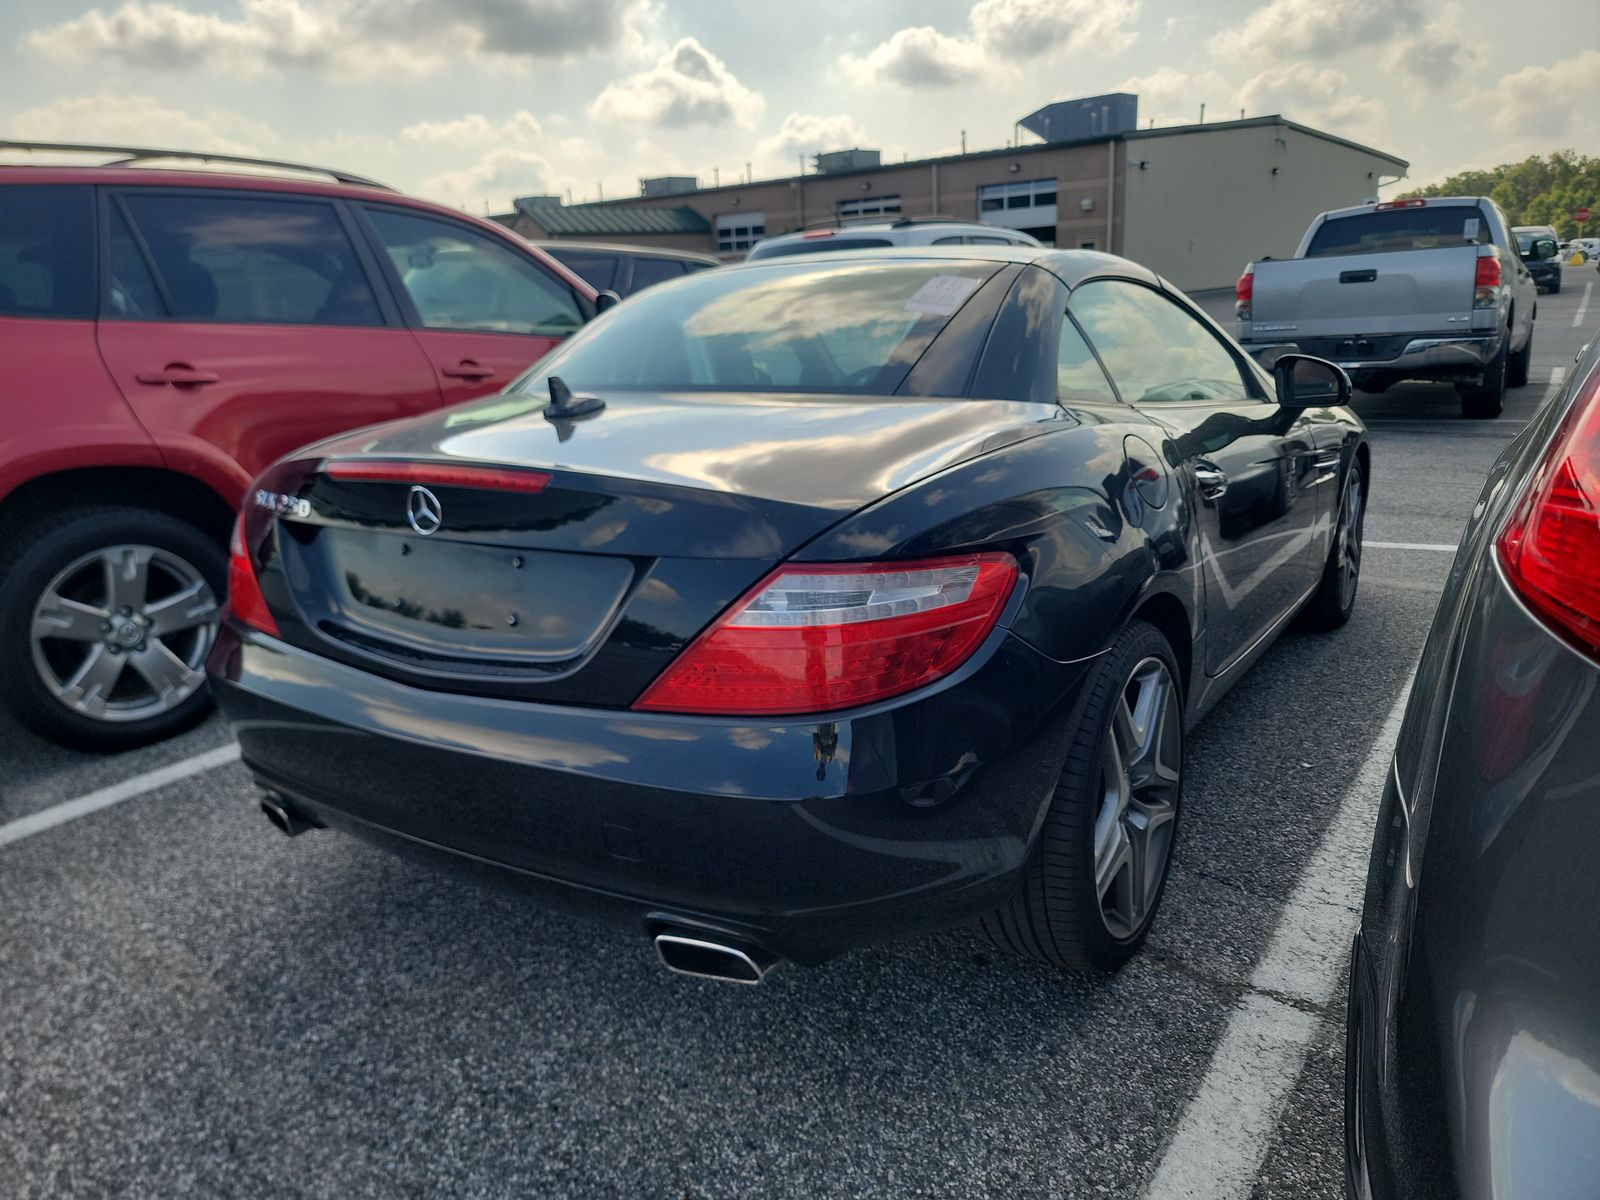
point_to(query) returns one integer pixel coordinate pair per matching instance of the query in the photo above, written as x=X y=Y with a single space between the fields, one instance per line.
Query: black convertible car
x=805 y=604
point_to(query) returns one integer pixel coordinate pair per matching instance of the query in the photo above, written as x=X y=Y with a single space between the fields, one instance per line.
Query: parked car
x=167 y=334
x=1405 y=289
x=1473 y=1053
x=804 y=604
x=625 y=269
x=875 y=233
x=1540 y=249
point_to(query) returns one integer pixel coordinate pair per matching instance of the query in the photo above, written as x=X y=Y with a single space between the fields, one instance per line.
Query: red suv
x=168 y=333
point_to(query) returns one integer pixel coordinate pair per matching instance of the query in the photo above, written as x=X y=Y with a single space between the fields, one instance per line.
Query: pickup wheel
x=1488 y=399
x=106 y=618
x=1517 y=370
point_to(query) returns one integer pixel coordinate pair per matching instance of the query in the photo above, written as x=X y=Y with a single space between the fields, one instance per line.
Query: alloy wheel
x=122 y=633
x=1141 y=774
x=1350 y=527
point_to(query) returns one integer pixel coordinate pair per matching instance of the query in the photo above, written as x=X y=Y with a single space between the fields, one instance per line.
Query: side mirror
x=1307 y=382
x=606 y=299
x=1544 y=248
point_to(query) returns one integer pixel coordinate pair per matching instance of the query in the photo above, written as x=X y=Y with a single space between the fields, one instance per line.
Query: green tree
x=1539 y=190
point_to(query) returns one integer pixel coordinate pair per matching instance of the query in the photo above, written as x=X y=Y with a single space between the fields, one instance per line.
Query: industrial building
x=1193 y=202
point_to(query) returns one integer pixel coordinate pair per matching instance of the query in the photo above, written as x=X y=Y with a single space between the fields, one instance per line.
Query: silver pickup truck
x=1407 y=289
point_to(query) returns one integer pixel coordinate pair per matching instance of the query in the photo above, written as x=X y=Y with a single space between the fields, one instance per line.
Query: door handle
x=1213 y=483
x=467 y=369
x=178 y=374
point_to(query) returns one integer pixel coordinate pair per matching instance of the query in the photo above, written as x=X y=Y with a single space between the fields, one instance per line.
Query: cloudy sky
x=474 y=101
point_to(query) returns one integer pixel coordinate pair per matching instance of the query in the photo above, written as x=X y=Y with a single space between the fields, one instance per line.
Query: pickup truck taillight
x=1550 y=548
x=1243 y=292
x=1486 y=283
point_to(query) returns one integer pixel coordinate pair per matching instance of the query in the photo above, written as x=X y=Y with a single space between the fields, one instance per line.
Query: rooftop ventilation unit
x=1090 y=117
x=835 y=161
x=668 y=185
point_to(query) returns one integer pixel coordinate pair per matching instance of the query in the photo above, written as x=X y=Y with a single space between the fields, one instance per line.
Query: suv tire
x=1488 y=399
x=106 y=616
x=1517 y=370
x=1122 y=781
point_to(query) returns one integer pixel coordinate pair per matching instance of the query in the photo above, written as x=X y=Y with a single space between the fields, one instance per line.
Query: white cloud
x=341 y=37
x=688 y=86
x=918 y=57
x=1170 y=97
x=495 y=178
x=1547 y=102
x=807 y=134
x=1315 y=28
x=140 y=121
x=1010 y=30
x=1321 y=97
x=1000 y=35
x=476 y=129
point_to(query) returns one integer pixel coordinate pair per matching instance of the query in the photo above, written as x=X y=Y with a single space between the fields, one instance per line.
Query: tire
x=1334 y=600
x=1517 y=368
x=110 y=676
x=1058 y=913
x=1488 y=399
x=1555 y=288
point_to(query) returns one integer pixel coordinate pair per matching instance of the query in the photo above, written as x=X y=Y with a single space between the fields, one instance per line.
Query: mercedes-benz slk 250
x=804 y=604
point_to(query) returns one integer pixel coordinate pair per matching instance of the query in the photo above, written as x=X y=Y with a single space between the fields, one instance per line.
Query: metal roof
x=614 y=219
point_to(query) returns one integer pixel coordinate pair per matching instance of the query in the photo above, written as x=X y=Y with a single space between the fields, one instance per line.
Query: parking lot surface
x=196 y=1005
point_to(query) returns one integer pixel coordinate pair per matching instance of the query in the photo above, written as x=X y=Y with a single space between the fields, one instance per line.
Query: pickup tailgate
x=1344 y=295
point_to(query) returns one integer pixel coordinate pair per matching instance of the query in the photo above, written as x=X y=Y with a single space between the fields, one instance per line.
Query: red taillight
x=377 y=470
x=1245 y=289
x=813 y=638
x=1550 y=548
x=1488 y=273
x=1388 y=204
x=245 y=601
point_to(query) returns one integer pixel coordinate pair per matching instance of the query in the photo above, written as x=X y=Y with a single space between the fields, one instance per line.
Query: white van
x=897 y=231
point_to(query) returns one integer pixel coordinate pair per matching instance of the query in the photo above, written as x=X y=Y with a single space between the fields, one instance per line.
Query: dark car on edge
x=827 y=600
x=1473 y=1056
x=625 y=269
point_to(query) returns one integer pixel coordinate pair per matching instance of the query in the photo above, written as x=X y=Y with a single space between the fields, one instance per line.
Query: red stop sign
x=1581 y=216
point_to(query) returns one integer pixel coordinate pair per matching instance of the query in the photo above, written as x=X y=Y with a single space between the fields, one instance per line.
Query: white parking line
x=1583 y=305
x=128 y=789
x=1225 y=1131
x=1438 y=547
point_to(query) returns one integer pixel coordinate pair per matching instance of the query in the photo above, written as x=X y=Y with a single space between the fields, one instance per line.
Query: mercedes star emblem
x=424 y=511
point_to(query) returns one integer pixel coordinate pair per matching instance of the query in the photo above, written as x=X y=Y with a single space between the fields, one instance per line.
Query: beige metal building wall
x=1199 y=206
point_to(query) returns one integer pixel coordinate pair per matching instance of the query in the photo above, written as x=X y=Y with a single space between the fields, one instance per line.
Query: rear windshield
x=815 y=325
x=1401 y=229
x=818 y=244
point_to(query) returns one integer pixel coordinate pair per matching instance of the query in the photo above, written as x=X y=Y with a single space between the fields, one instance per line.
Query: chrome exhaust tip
x=701 y=958
x=285 y=819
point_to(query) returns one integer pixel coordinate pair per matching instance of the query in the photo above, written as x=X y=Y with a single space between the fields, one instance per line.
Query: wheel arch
x=1166 y=612
x=170 y=492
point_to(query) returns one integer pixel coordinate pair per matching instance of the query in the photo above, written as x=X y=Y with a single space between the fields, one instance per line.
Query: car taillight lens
x=815 y=637
x=1550 y=548
x=1243 y=292
x=245 y=601
x=1486 y=282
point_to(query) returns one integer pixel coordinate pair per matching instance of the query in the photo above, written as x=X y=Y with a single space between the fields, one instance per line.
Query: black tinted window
x=1400 y=229
x=254 y=259
x=598 y=270
x=46 y=251
x=1154 y=350
x=655 y=270
x=817 y=245
x=462 y=279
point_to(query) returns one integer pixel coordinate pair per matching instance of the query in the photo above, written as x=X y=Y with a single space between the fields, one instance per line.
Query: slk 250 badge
x=284 y=506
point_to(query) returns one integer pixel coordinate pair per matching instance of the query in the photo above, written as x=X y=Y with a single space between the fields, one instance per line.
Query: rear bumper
x=803 y=838
x=1446 y=356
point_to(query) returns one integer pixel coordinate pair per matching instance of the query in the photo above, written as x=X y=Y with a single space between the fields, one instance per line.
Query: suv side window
x=597 y=268
x=249 y=258
x=647 y=271
x=1155 y=352
x=47 y=251
x=461 y=279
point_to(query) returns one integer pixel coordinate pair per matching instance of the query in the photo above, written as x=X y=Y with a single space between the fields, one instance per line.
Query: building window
x=869 y=206
x=1027 y=193
x=740 y=231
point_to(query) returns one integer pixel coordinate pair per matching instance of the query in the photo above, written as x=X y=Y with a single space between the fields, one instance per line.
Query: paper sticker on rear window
x=942 y=295
x=1469 y=229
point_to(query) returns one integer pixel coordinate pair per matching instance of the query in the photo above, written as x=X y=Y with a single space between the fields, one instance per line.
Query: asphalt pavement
x=193 y=1005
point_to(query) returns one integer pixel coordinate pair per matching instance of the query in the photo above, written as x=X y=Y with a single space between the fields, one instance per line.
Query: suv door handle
x=1213 y=483
x=180 y=374
x=467 y=369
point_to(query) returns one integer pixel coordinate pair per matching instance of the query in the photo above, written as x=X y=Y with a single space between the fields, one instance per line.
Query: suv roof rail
x=127 y=156
x=893 y=220
x=934 y=219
